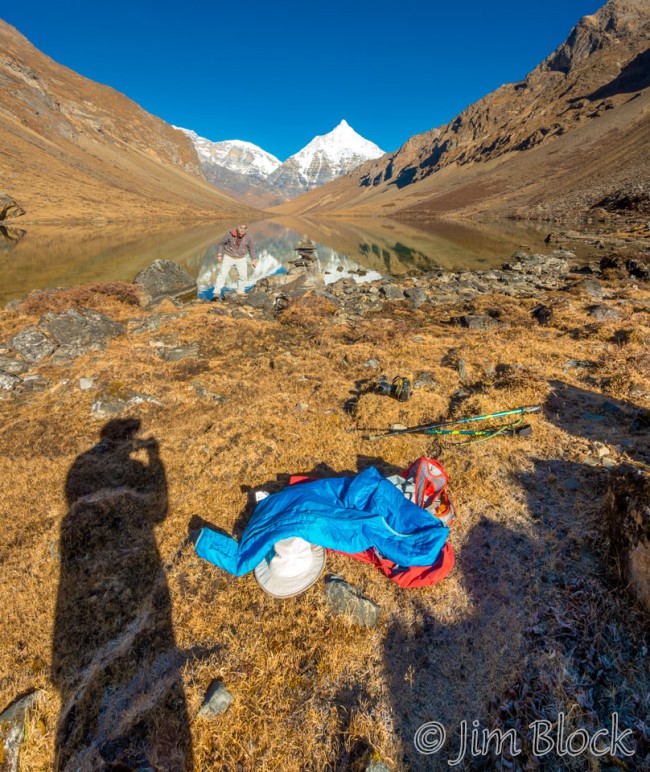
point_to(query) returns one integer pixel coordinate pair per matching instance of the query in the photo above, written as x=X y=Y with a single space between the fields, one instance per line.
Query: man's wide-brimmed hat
x=290 y=567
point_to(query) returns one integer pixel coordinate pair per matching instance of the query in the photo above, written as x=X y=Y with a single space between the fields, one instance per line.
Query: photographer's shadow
x=114 y=658
x=450 y=670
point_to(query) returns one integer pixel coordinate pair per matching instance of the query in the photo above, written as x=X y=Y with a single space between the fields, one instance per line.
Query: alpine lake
x=46 y=256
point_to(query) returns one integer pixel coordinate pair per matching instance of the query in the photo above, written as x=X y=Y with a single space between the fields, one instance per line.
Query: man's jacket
x=348 y=514
x=232 y=245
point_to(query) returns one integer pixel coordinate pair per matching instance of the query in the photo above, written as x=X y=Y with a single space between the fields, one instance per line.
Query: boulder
x=32 y=344
x=417 y=295
x=259 y=299
x=165 y=279
x=78 y=330
x=392 y=292
x=9 y=208
x=628 y=513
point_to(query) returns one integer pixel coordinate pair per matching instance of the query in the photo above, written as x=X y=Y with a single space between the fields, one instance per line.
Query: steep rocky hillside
x=73 y=148
x=592 y=87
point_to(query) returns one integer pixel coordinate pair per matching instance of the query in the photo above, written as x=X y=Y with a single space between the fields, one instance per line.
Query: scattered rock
x=164 y=278
x=32 y=383
x=346 y=600
x=8 y=382
x=392 y=292
x=9 y=208
x=636 y=267
x=150 y=324
x=216 y=701
x=32 y=344
x=13 y=366
x=474 y=321
x=177 y=353
x=599 y=449
x=371 y=364
x=85 y=384
x=542 y=314
x=578 y=364
x=204 y=393
x=424 y=380
x=344 y=286
x=591 y=287
x=417 y=295
x=377 y=766
x=239 y=313
x=78 y=330
x=628 y=512
x=12 y=729
x=115 y=399
x=555 y=263
x=257 y=299
x=602 y=313
x=612 y=408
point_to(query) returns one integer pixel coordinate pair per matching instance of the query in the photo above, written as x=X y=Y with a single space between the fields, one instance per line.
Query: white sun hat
x=290 y=567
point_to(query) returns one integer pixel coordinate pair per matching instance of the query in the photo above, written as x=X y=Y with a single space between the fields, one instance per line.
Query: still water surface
x=36 y=257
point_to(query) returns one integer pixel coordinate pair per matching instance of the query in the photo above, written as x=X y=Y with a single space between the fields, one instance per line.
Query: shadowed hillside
x=74 y=149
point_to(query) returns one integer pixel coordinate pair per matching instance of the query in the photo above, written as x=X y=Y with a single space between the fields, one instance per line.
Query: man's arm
x=251 y=250
x=221 y=246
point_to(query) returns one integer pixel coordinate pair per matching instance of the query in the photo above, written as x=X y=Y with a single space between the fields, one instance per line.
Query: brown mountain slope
x=588 y=96
x=74 y=149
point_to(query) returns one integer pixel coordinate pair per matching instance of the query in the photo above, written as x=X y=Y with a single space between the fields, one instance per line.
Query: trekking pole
x=436 y=428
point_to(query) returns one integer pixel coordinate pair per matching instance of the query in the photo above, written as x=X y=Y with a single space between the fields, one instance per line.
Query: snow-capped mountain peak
x=234 y=154
x=342 y=147
x=326 y=157
x=250 y=173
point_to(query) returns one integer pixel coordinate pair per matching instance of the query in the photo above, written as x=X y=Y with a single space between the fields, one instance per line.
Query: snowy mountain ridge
x=234 y=154
x=250 y=173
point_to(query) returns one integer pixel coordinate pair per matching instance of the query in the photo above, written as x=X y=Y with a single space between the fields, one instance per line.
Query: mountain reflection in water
x=62 y=256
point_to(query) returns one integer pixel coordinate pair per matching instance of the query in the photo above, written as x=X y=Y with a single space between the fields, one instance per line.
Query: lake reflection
x=36 y=257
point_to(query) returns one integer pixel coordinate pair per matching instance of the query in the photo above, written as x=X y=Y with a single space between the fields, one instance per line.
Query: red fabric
x=412 y=576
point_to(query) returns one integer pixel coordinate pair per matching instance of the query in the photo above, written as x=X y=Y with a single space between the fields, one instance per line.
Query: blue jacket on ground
x=349 y=514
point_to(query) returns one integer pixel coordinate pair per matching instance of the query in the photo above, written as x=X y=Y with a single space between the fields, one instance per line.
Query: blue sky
x=278 y=74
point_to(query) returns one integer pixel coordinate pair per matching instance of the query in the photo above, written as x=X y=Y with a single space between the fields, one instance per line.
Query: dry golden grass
x=311 y=691
x=87 y=296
